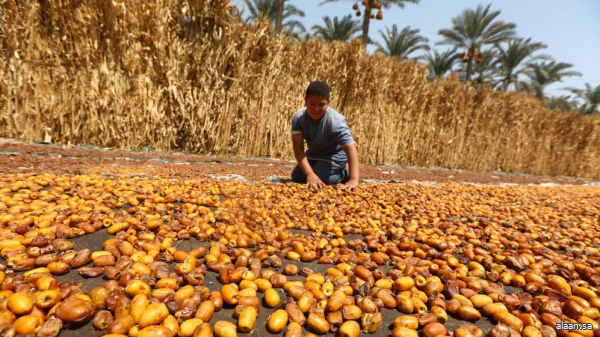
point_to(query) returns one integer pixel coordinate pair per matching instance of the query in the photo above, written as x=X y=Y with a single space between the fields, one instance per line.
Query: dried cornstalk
x=190 y=76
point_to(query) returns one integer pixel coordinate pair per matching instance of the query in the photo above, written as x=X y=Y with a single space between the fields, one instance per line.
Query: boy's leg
x=330 y=173
x=298 y=176
x=345 y=175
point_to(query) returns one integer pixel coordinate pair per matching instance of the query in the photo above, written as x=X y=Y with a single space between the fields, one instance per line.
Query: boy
x=330 y=143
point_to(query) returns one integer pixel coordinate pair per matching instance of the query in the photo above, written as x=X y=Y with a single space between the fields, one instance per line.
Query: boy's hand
x=314 y=180
x=351 y=184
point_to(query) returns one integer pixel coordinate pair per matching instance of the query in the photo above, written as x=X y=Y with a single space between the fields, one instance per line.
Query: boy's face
x=316 y=106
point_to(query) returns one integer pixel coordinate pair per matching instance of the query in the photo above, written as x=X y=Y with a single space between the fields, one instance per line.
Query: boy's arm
x=311 y=177
x=353 y=165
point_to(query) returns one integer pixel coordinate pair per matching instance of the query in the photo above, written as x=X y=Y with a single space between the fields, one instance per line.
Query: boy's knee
x=332 y=179
x=328 y=179
x=338 y=177
x=345 y=176
x=298 y=176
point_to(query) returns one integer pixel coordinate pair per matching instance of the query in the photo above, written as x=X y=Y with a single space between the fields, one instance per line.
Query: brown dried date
x=90 y=271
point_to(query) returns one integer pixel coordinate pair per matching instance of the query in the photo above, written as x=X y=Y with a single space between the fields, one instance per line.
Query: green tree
x=401 y=44
x=340 y=30
x=514 y=60
x=440 y=64
x=564 y=103
x=485 y=69
x=590 y=97
x=368 y=11
x=474 y=29
x=268 y=9
x=543 y=74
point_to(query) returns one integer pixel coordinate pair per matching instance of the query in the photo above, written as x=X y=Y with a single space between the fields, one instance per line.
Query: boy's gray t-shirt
x=326 y=137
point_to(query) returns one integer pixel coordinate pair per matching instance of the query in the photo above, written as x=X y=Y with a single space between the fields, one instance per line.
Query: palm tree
x=564 y=103
x=341 y=30
x=590 y=97
x=401 y=44
x=543 y=74
x=474 y=29
x=440 y=64
x=486 y=69
x=515 y=59
x=368 y=12
x=268 y=9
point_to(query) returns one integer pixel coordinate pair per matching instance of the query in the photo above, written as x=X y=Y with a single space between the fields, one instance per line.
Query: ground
x=51 y=158
x=475 y=191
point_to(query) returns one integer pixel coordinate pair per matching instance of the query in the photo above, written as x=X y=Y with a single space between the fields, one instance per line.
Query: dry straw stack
x=188 y=76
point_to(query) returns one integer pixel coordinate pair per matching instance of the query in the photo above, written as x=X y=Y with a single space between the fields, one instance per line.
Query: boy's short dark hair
x=318 y=88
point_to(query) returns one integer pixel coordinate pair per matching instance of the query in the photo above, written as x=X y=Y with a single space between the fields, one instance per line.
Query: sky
x=570 y=28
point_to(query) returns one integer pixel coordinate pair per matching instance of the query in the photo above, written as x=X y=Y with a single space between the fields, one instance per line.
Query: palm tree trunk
x=470 y=64
x=279 y=16
x=507 y=81
x=469 y=69
x=539 y=92
x=367 y=23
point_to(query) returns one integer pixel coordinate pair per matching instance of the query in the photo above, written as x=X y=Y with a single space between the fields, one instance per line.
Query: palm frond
x=514 y=59
x=386 y=4
x=402 y=44
x=475 y=28
x=590 y=97
x=340 y=30
x=268 y=9
x=440 y=64
x=545 y=73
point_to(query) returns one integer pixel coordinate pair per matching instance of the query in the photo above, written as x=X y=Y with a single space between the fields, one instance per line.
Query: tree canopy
x=474 y=29
x=481 y=47
x=402 y=44
x=337 y=30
